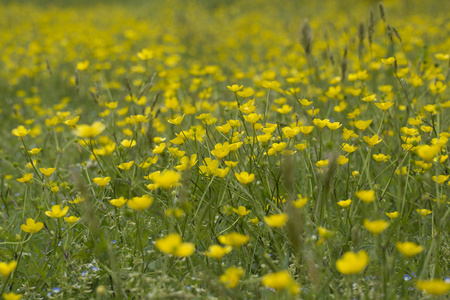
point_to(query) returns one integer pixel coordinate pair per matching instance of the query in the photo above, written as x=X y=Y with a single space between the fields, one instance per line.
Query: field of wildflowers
x=224 y=149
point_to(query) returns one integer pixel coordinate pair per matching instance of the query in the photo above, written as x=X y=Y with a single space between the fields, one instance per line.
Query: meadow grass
x=224 y=150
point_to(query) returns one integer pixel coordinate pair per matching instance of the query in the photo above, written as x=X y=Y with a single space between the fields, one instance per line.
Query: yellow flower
x=139 y=203
x=77 y=200
x=35 y=151
x=362 y=125
x=366 y=196
x=276 y=220
x=71 y=219
x=305 y=102
x=279 y=281
x=234 y=88
x=442 y=56
x=369 y=98
x=112 y=105
x=408 y=249
x=118 y=202
x=324 y=234
x=217 y=251
x=172 y=244
x=159 y=149
x=127 y=143
x=12 y=296
x=285 y=109
x=56 y=211
x=352 y=263
x=440 y=179
x=25 y=178
x=234 y=239
x=300 y=202
x=126 y=166
x=279 y=146
x=344 y=203
x=381 y=157
x=7 y=268
x=342 y=160
x=306 y=130
x=89 y=131
x=20 y=131
x=244 y=177
x=47 y=172
x=139 y=118
x=321 y=123
x=334 y=125
x=82 y=65
x=72 y=122
x=348 y=134
x=427 y=153
x=388 y=61
x=177 y=120
x=167 y=179
x=102 y=181
x=220 y=151
x=231 y=277
x=241 y=211
x=349 y=149
x=290 y=132
x=372 y=141
x=252 y=118
x=375 y=227
x=392 y=215
x=322 y=163
x=31 y=226
x=424 y=212
x=184 y=250
x=384 y=105
x=433 y=287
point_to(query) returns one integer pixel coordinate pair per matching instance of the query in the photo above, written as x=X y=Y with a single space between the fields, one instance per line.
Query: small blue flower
x=56 y=290
x=447 y=280
x=406 y=277
x=188 y=287
x=114 y=241
x=84 y=273
x=95 y=269
x=49 y=294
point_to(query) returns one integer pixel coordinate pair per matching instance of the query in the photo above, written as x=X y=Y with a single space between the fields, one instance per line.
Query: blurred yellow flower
x=20 y=131
x=375 y=227
x=7 y=268
x=279 y=281
x=89 y=131
x=47 y=172
x=25 y=178
x=231 y=277
x=138 y=203
x=172 y=244
x=234 y=239
x=276 y=221
x=435 y=287
x=217 y=252
x=71 y=219
x=366 y=196
x=408 y=249
x=344 y=203
x=352 y=263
